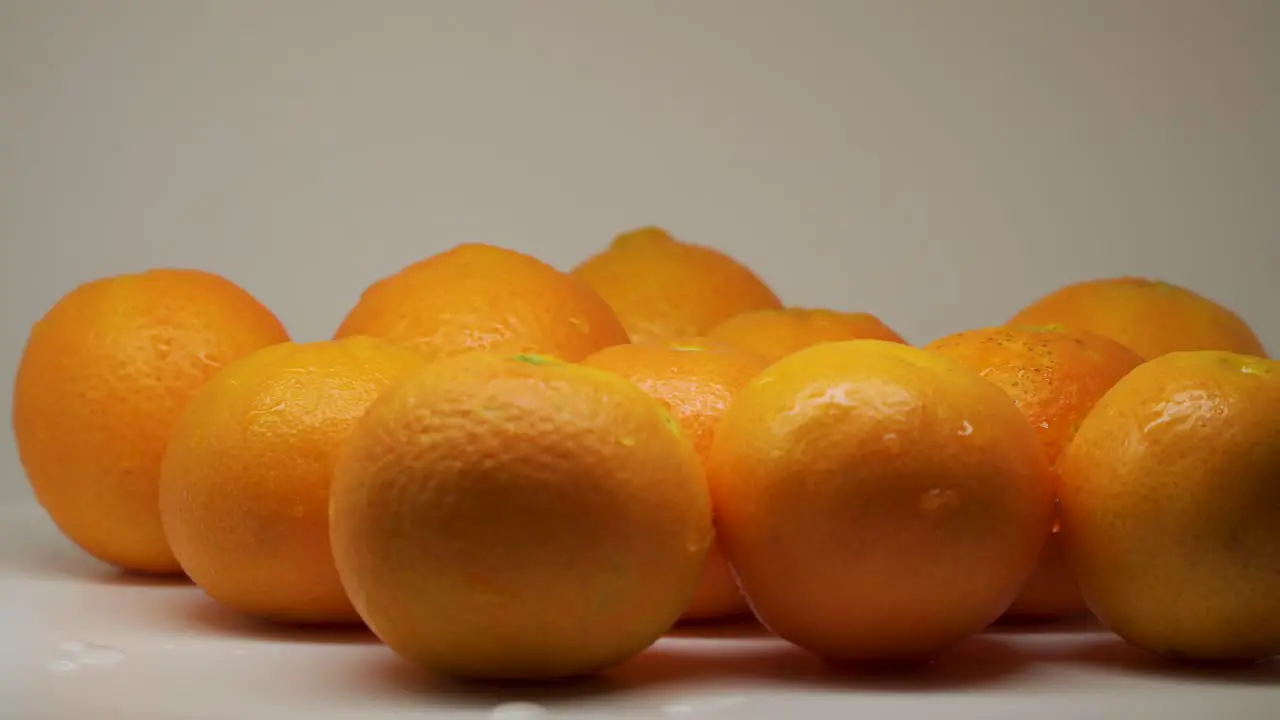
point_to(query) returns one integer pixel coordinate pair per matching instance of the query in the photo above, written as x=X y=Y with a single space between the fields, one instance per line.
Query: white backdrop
x=938 y=163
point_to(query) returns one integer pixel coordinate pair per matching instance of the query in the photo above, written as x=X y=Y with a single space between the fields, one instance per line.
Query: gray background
x=938 y=163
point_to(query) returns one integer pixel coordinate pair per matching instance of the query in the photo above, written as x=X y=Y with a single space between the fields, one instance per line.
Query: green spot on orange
x=688 y=348
x=1251 y=365
x=671 y=423
x=536 y=359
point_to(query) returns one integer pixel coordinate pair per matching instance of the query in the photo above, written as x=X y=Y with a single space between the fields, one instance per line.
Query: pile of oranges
x=509 y=471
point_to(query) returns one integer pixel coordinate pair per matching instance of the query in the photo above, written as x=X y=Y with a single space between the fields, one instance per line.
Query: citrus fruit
x=103 y=377
x=774 y=333
x=244 y=487
x=1149 y=316
x=877 y=501
x=661 y=287
x=696 y=385
x=696 y=342
x=1054 y=376
x=518 y=517
x=483 y=297
x=1170 y=502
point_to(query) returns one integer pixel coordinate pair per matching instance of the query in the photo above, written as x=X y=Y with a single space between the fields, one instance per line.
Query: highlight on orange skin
x=774 y=333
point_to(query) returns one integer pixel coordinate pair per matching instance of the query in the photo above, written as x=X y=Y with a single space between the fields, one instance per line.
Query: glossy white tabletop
x=85 y=641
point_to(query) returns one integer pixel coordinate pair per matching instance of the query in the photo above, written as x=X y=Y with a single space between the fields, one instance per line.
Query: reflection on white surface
x=75 y=655
x=704 y=705
x=518 y=711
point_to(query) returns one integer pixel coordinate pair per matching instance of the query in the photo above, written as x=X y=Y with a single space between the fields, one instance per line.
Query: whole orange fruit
x=244 y=487
x=878 y=501
x=103 y=377
x=1170 y=502
x=1054 y=376
x=483 y=297
x=518 y=517
x=774 y=333
x=1149 y=316
x=661 y=287
x=697 y=386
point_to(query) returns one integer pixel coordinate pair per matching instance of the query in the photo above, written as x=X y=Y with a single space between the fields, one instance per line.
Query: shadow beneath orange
x=744 y=626
x=977 y=662
x=392 y=676
x=204 y=616
x=59 y=559
x=126 y=578
x=1114 y=655
x=1037 y=626
x=706 y=663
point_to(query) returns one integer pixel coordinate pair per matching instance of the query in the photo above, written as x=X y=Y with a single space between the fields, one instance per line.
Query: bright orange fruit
x=1149 y=316
x=244 y=488
x=697 y=386
x=878 y=501
x=483 y=297
x=774 y=333
x=661 y=287
x=103 y=378
x=518 y=517
x=1170 y=501
x=1054 y=376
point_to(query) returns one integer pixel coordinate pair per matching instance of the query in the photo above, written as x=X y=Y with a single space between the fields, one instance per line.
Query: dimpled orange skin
x=1149 y=316
x=697 y=385
x=775 y=333
x=505 y=517
x=661 y=287
x=483 y=297
x=1054 y=376
x=244 y=488
x=1170 y=501
x=877 y=501
x=101 y=383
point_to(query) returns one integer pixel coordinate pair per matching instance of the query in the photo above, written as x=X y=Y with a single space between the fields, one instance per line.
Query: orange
x=696 y=342
x=1171 y=506
x=878 y=501
x=697 y=386
x=482 y=297
x=244 y=488
x=775 y=333
x=518 y=517
x=699 y=342
x=1149 y=316
x=1054 y=376
x=661 y=287
x=103 y=377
